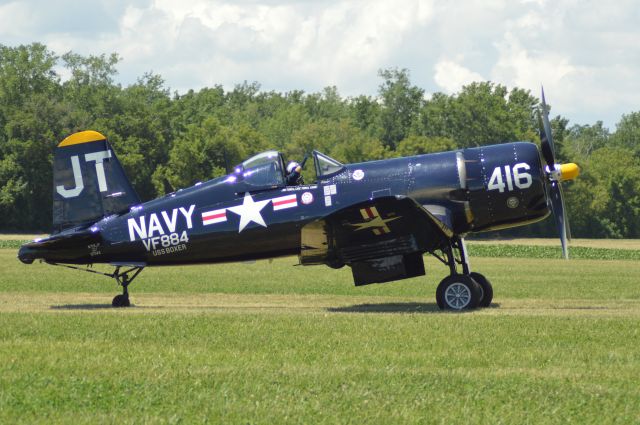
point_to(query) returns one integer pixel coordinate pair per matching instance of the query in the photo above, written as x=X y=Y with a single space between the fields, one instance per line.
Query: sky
x=586 y=53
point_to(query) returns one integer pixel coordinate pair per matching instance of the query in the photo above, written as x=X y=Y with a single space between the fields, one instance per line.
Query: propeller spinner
x=555 y=173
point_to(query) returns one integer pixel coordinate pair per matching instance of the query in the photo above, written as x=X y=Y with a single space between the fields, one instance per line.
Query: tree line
x=169 y=140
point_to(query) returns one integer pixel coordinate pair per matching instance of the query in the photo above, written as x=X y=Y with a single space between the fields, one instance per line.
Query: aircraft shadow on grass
x=402 y=308
x=423 y=308
x=82 y=307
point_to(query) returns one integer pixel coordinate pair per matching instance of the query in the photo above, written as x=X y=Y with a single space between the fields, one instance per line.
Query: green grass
x=269 y=343
x=533 y=251
x=12 y=243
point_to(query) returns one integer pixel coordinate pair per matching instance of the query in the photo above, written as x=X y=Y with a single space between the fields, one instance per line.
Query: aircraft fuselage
x=228 y=219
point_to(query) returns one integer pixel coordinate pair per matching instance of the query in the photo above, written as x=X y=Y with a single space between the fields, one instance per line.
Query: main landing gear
x=464 y=291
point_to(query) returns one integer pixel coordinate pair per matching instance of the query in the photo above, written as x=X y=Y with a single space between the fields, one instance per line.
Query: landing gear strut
x=124 y=279
x=461 y=291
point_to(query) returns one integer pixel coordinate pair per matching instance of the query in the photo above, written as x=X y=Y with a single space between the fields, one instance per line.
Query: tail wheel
x=485 y=287
x=121 y=301
x=458 y=292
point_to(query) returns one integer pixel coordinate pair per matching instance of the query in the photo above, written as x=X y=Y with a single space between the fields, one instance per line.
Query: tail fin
x=88 y=181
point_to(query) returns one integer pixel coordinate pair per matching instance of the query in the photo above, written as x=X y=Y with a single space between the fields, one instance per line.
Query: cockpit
x=267 y=170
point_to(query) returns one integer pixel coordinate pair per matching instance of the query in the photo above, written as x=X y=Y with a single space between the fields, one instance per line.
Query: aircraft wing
x=379 y=235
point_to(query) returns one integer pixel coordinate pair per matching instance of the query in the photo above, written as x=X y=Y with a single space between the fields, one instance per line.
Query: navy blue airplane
x=377 y=217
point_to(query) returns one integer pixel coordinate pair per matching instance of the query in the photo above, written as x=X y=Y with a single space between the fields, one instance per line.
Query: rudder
x=88 y=182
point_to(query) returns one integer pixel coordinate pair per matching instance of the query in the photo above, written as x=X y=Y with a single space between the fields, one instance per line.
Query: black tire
x=120 y=301
x=335 y=264
x=458 y=292
x=485 y=286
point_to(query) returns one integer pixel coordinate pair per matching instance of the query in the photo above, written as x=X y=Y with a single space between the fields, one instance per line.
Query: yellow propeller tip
x=569 y=171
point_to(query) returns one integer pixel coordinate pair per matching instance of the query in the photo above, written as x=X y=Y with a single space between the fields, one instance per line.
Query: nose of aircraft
x=569 y=171
x=26 y=255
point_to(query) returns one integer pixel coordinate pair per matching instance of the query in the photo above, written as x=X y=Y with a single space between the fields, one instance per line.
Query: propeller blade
x=547 y=124
x=560 y=216
x=547 y=150
x=546 y=138
x=554 y=175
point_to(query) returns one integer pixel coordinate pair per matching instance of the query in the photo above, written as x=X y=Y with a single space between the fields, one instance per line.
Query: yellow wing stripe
x=82 y=137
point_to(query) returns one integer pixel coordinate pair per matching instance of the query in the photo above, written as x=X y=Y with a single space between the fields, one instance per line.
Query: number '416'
x=515 y=176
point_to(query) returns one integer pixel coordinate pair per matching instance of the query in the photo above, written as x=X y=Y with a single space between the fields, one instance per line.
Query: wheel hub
x=457 y=296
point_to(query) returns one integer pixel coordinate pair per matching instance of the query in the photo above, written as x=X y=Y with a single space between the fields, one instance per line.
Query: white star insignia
x=249 y=211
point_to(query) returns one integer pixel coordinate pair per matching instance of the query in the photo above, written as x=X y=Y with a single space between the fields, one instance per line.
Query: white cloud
x=279 y=44
x=585 y=52
x=14 y=20
x=451 y=76
x=522 y=67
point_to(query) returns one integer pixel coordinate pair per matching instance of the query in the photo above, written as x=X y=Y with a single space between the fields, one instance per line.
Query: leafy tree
x=191 y=137
x=13 y=185
x=139 y=131
x=435 y=118
x=194 y=107
x=582 y=140
x=324 y=135
x=605 y=200
x=364 y=112
x=522 y=110
x=326 y=105
x=418 y=145
x=401 y=103
x=24 y=71
x=482 y=113
x=279 y=128
x=199 y=154
x=339 y=139
x=91 y=89
x=32 y=120
x=627 y=133
x=238 y=99
x=480 y=116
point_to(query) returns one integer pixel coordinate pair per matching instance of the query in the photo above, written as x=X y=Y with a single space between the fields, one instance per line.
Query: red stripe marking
x=369 y=212
x=212 y=216
x=285 y=201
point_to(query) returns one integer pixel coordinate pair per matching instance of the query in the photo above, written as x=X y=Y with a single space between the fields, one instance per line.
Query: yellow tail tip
x=569 y=171
x=82 y=137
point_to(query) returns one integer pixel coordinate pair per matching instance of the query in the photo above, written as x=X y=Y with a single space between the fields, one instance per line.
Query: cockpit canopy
x=267 y=169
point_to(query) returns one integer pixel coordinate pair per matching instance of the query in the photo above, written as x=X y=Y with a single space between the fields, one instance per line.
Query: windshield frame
x=318 y=156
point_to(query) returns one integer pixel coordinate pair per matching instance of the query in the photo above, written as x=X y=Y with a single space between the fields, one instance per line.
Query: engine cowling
x=506 y=185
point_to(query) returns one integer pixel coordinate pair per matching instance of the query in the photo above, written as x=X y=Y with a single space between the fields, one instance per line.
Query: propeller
x=555 y=174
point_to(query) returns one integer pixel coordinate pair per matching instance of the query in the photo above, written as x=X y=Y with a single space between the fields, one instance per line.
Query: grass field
x=270 y=343
x=587 y=243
